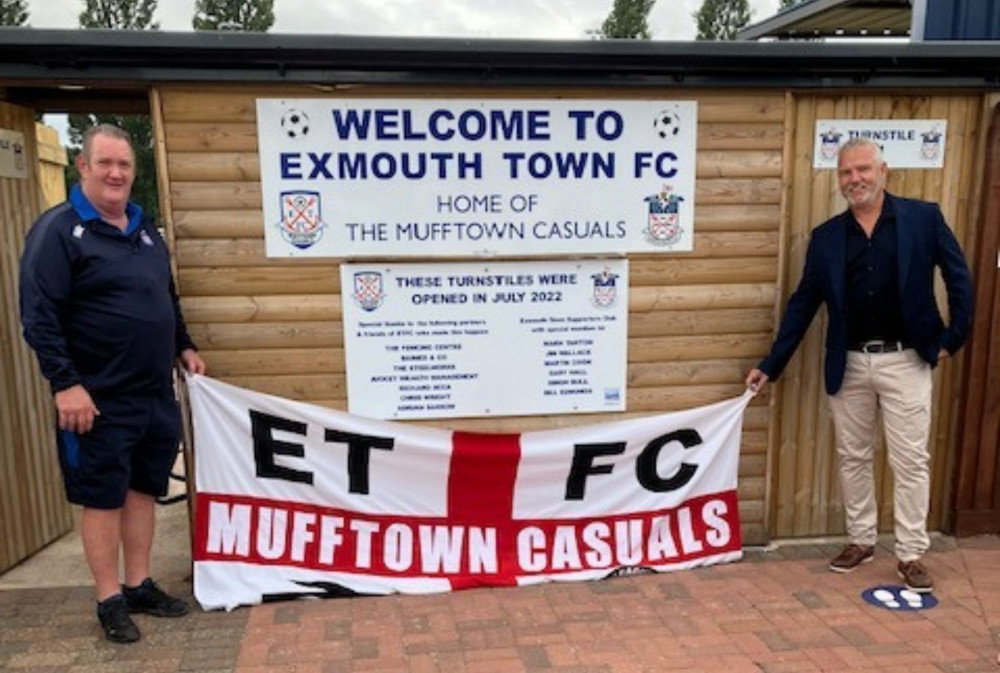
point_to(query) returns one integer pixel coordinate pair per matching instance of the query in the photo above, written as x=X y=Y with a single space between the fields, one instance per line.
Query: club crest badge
x=930 y=144
x=829 y=143
x=368 y=290
x=664 y=224
x=605 y=288
x=301 y=218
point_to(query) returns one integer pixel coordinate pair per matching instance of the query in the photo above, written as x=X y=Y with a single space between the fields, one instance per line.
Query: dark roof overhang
x=127 y=61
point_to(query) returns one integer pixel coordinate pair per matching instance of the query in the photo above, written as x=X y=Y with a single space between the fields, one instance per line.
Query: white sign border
x=651 y=214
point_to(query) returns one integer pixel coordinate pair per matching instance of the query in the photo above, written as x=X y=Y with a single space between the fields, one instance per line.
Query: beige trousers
x=900 y=385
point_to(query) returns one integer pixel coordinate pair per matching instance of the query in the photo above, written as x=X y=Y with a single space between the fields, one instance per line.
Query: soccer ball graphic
x=667 y=123
x=295 y=123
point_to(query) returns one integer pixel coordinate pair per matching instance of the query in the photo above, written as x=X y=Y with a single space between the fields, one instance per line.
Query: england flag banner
x=384 y=177
x=294 y=500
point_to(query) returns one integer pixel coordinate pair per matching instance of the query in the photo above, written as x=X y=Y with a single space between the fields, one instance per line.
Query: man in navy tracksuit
x=99 y=309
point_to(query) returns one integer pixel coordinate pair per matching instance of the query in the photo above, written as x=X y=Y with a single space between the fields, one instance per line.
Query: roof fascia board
x=138 y=58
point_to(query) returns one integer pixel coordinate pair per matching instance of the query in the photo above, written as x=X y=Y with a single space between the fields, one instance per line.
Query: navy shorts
x=132 y=446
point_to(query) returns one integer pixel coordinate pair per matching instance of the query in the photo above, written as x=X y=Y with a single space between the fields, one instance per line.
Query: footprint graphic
x=912 y=598
x=898 y=598
x=887 y=598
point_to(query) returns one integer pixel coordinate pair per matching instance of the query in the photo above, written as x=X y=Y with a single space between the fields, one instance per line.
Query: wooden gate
x=33 y=508
x=977 y=490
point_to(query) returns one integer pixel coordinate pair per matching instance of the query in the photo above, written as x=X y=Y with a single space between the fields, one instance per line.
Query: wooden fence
x=33 y=508
x=697 y=321
x=977 y=483
x=51 y=167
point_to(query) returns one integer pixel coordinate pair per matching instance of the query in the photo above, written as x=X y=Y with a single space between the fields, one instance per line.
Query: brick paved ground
x=775 y=611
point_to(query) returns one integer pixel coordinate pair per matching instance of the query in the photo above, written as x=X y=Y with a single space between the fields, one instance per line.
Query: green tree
x=255 y=16
x=628 y=20
x=721 y=19
x=120 y=15
x=13 y=12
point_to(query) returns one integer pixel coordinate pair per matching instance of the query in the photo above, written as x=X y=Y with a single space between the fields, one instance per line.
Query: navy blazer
x=923 y=242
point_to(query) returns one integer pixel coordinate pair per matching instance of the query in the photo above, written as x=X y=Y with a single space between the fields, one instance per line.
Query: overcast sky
x=542 y=19
x=529 y=19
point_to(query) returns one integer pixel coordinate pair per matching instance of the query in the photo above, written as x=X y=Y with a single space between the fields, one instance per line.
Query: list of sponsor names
x=529 y=347
x=425 y=356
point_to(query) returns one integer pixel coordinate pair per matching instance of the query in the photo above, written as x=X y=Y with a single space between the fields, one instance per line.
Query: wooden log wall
x=806 y=497
x=33 y=508
x=697 y=321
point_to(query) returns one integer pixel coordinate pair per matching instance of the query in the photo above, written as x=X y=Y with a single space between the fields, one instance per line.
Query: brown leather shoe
x=852 y=556
x=916 y=576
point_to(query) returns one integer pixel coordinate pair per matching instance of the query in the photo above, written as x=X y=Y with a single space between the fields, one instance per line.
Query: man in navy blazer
x=873 y=266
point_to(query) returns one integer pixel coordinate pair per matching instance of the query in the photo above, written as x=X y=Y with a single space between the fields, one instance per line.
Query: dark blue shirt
x=98 y=304
x=873 y=307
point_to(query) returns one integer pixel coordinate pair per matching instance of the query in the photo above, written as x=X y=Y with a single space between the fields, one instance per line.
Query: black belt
x=879 y=346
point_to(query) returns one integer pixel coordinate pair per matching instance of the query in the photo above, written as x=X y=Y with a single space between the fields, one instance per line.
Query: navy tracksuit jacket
x=98 y=305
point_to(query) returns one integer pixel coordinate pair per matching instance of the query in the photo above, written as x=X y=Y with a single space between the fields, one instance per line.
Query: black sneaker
x=118 y=626
x=150 y=599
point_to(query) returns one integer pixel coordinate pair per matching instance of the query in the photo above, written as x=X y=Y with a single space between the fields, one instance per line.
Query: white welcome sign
x=368 y=177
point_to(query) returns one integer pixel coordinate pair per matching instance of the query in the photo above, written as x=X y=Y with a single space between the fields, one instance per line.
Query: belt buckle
x=880 y=346
x=873 y=346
